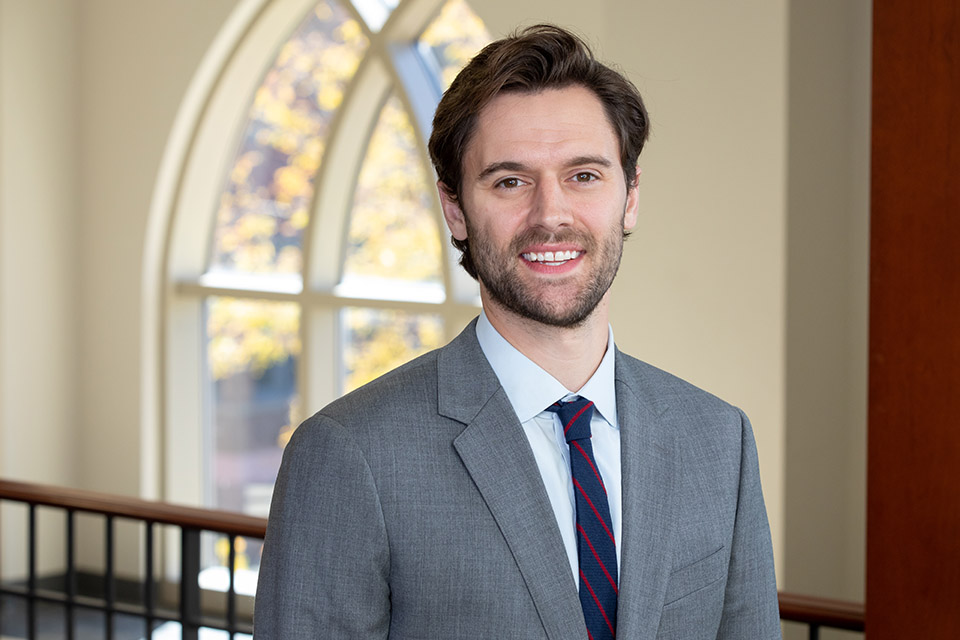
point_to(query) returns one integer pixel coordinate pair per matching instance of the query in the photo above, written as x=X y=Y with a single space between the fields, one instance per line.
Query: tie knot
x=575 y=417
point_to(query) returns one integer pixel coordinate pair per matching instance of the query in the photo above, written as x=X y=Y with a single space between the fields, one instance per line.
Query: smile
x=551 y=258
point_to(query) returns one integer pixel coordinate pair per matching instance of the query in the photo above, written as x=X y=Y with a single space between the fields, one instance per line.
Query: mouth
x=551 y=258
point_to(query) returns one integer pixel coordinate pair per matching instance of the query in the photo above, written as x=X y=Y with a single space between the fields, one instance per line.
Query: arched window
x=306 y=252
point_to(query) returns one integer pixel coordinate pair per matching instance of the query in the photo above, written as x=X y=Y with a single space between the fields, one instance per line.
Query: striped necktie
x=596 y=547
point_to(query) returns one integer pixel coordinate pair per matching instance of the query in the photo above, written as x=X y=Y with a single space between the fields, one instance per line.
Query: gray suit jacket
x=413 y=508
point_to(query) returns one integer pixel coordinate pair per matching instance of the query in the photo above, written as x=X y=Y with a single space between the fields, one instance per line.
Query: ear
x=632 y=209
x=452 y=213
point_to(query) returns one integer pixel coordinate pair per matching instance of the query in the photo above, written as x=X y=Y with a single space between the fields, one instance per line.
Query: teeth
x=552 y=257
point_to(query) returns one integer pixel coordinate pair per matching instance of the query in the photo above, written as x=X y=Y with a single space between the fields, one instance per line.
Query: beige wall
x=138 y=58
x=746 y=275
x=38 y=256
x=827 y=259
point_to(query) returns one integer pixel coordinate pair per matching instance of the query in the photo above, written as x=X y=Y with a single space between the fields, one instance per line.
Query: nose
x=550 y=209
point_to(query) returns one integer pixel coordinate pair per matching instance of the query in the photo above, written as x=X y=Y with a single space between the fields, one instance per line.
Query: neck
x=569 y=354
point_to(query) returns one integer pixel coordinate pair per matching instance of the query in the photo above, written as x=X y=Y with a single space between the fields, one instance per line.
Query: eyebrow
x=496 y=167
x=509 y=165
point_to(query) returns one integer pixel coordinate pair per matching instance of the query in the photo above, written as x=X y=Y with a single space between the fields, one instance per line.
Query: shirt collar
x=531 y=390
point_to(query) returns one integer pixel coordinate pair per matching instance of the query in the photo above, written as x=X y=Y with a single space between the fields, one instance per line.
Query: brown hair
x=529 y=61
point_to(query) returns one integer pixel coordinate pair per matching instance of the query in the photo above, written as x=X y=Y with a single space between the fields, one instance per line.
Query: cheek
x=497 y=223
x=490 y=235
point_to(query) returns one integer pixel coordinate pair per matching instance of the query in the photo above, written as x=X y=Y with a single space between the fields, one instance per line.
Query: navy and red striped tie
x=596 y=546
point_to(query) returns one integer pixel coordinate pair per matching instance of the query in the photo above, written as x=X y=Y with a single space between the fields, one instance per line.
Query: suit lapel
x=496 y=453
x=648 y=452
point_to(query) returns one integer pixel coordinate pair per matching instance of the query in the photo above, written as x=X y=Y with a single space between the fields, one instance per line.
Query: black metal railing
x=815 y=613
x=187 y=612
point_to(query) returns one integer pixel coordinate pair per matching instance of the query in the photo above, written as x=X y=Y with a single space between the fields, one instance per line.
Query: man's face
x=544 y=204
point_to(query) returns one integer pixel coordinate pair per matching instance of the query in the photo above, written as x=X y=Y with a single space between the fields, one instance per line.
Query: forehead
x=546 y=126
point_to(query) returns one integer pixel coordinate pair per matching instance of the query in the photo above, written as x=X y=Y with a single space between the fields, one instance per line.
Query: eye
x=509 y=183
x=585 y=176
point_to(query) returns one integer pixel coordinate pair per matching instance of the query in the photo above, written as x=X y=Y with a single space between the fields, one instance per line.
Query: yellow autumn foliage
x=250 y=335
x=378 y=341
x=265 y=207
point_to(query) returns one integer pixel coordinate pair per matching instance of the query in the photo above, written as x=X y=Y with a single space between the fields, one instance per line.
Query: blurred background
x=216 y=216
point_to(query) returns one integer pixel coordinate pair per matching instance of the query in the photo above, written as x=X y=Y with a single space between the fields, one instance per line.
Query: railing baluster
x=148 y=598
x=189 y=583
x=231 y=590
x=71 y=586
x=31 y=571
x=27 y=588
x=109 y=586
x=814 y=631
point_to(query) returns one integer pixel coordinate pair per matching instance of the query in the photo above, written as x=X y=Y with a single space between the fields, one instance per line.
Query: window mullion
x=336 y=181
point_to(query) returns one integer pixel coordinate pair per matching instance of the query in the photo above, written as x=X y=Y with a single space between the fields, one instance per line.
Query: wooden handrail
x=839 y=614
x=797 y=608
x=161 y=512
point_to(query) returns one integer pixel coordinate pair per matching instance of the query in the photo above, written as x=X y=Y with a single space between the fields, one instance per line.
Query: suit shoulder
x=410 y=386
x=709 y=431
x=666 y=388
x=700 y=420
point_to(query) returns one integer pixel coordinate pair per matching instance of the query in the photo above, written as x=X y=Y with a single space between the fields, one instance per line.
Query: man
x=527 y=480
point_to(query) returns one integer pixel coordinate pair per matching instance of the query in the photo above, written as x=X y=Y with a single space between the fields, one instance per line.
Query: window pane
x=252 y=351
x=375 y=341
x=455 y=36
x=215 y=575
x=393 y=246
x=266 y=201
x=375 y=12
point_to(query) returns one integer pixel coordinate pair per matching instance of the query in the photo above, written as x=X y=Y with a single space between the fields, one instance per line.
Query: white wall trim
x=159 y=225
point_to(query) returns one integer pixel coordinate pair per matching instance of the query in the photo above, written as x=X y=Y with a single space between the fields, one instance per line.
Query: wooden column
x=913 y=468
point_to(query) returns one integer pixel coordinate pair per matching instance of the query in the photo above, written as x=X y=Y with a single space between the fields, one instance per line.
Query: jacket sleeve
x=750 y=608
x=325 y=564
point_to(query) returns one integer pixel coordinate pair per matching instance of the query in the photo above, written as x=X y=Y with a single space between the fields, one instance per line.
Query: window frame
x=201 y=148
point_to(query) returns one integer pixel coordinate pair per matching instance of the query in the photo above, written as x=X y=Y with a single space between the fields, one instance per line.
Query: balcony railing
x=815 y=613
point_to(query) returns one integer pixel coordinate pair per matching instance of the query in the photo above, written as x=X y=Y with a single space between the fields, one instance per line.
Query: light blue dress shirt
x=531 y=390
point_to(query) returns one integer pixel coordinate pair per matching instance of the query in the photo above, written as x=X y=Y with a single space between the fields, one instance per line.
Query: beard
x=499 y=272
